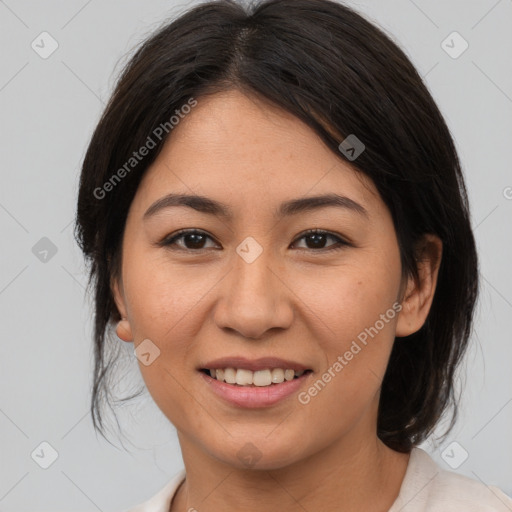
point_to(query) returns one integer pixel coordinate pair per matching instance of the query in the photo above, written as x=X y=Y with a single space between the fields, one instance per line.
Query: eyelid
x=169 y=240
x=341 y=241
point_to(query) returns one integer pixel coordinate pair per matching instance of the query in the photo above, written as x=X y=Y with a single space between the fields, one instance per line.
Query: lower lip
x=255 y=396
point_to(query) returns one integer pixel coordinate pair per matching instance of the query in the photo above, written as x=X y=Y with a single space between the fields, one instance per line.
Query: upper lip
x=254 y=365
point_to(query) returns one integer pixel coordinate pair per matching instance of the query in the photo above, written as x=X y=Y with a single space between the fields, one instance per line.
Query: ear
x=419 y=294
x=123 y=328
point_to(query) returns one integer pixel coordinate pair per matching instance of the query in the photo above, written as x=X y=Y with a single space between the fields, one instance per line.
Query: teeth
x=244 y=377
x=262 y=378
x=230 y=375
x=277 y=375
x=259 y=378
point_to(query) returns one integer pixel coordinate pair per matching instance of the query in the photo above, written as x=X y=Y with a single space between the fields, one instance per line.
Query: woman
x=275 y=215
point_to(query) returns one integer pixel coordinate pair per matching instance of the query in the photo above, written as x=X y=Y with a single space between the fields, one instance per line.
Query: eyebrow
x=292 y=207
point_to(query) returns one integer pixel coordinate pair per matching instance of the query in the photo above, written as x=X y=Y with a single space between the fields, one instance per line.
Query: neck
x=355 y=474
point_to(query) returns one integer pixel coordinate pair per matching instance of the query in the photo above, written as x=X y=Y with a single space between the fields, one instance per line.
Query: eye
x=194 y=240
x=317 y=239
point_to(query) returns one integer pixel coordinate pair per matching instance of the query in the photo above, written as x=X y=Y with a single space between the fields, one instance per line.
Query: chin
x=259 y=452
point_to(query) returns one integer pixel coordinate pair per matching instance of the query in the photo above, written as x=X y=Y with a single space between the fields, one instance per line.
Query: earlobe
x=123 y=328
x=419 y=293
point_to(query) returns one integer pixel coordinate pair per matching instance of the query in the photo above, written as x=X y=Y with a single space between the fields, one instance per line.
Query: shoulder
x=161 y=501
x=428 y=488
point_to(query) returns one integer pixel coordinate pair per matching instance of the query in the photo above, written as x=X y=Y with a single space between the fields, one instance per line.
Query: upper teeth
x=258 y=378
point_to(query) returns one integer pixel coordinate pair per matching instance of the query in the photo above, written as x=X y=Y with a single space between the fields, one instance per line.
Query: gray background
x=49 y=108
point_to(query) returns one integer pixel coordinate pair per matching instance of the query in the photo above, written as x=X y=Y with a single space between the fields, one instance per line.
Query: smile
x=260 y=378
x=251 y=395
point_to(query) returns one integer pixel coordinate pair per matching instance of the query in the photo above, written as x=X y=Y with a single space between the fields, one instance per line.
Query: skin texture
x=295 y=301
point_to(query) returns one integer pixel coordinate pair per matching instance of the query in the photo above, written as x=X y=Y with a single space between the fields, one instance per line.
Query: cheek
x=353 y=297
x=167 y=306
x=359 y=307
x=161 y=294
x=164 y=303
x=356 y=357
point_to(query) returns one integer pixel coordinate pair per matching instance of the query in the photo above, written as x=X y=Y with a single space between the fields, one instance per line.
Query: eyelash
x=171 y=240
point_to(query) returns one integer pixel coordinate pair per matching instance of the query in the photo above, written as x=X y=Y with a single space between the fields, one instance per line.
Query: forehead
x=235 y=147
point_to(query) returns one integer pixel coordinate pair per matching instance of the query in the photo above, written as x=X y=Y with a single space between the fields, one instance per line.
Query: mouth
x=254 y=383
x=242 y=377
x=255 y=389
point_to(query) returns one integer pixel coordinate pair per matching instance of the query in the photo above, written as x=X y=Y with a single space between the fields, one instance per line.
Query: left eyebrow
x=292 y=207
x=314 y=202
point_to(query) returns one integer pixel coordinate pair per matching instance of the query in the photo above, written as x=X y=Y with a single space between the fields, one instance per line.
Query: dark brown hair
x=340 y=74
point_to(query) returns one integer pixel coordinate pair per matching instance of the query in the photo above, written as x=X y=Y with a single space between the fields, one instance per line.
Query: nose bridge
x=253 y=298
x=252 y=272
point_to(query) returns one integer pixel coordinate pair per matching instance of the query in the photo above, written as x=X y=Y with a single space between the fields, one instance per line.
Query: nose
x=254 y=298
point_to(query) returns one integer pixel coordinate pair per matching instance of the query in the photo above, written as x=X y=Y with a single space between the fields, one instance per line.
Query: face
x=251 y=283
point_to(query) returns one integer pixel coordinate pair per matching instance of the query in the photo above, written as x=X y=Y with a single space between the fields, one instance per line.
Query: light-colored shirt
x=425 y=488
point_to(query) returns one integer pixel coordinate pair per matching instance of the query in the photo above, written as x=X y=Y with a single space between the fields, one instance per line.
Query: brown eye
x=317 y=239
x=191 y=240
x=195 y=240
